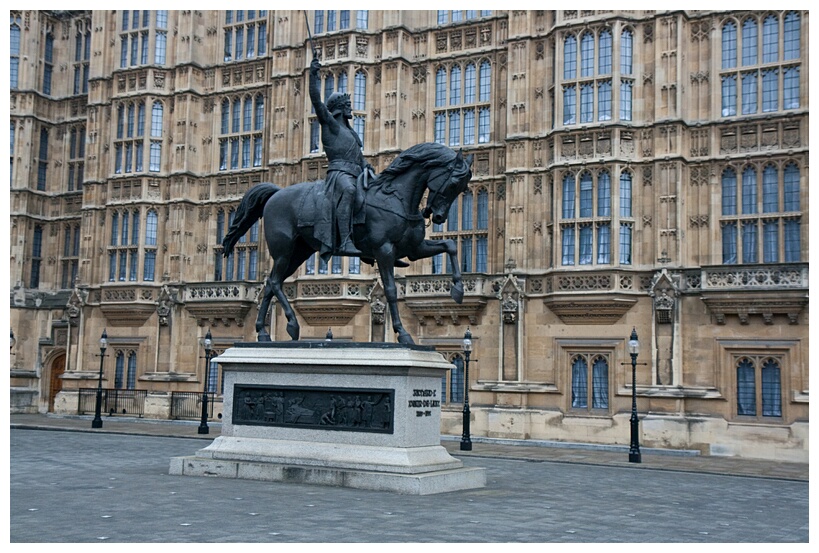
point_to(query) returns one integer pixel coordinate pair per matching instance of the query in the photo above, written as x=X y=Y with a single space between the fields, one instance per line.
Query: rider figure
x=343 y=148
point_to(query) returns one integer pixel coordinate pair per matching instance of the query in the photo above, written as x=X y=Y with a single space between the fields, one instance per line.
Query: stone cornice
x=589 y=309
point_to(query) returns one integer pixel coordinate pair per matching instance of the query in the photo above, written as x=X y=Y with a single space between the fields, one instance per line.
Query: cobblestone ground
x=91 y=487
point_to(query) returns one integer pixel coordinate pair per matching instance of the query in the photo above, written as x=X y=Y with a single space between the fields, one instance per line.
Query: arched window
x=360 y=96
x=125 y=225
x=749 y=191
x=770 y=190
x=749 y=42
x=259 y=113
x=132 y=370
x=225 y=116
x=770 y=39
x=469 y=83
x=452 y=383
x=770 y=90
x=36 y=256
x=580 y=383
x=604 y=53
x=586 y=102
x=729 y=45
x=220 y=226
x=626 y=51
x=729 y=192
x=466 y=218
x=114 y=228
x=440 y=87
x=151 y=228
x=235 y=116
x=156 y=131
x=791 y=181
x=48 y=63
x=604 y=194
x=342 y=82
x=568 y=196
x=483 y=209
x=792 y=36
x=771 y=389
x=600 y=383
x=587 y=55
x=485 y=81
x=570 y=57
x=455 y=85
x=586 y=194
x=625 y=194
x=119 y=373
x=14 y=70
x=759 y=387
x=329 y=86
x=247 y=114
x=141 y=119
x=131 y=120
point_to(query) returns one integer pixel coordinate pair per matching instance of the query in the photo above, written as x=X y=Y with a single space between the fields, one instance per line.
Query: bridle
x=427 y=213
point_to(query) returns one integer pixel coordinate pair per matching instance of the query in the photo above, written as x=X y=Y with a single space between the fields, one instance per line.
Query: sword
x=309 y=36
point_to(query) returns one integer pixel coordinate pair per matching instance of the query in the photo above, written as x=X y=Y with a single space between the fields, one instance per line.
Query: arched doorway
x=55 y=383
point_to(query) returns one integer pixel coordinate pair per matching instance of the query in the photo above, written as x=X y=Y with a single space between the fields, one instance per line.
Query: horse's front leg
x=430 y=248
x=386 y=262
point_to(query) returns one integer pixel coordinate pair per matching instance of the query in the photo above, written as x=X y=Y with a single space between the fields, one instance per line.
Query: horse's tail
x=250 y=210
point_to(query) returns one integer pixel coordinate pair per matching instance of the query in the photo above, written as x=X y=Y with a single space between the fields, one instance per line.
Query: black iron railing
x=114 y=401
x=188 y=405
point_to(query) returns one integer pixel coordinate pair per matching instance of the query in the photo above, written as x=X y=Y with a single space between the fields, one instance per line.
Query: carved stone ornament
x=75 y=303
x=665 y=294
x=164 y=305
x=378 y=309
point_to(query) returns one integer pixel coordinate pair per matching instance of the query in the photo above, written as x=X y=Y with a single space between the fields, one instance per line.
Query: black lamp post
x=466 y=441
x=97 y=422
x=634 y=449
x=203 y=425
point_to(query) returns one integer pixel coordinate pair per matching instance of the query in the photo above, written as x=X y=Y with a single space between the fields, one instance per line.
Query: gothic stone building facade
x=633 y=170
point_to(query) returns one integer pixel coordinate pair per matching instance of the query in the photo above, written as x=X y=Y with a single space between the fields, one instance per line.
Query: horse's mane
x=426 y=154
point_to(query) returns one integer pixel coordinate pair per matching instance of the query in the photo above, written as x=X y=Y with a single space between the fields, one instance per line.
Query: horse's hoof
x=293 y=330
x=457 y=292
x=263 y=337
x=405 y=338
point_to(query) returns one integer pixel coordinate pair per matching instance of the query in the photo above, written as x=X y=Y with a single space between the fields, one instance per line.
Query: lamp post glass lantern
x=203 y=425
x=634 y=455
x=97 y=422
x=466 y=441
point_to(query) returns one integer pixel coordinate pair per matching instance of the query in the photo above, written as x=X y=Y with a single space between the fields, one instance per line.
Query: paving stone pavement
x=77 y=485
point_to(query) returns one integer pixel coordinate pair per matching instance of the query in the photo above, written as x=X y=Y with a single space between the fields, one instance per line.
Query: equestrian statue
x=353 y=211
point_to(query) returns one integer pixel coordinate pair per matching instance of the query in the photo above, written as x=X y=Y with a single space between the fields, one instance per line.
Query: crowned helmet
x=337 y=101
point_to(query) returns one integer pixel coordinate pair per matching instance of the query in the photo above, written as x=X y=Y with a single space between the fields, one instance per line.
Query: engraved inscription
x=349 y=409
x=423 y=400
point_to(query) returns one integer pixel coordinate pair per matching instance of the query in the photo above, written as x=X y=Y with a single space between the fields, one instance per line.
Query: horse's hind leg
x=261 y=333
x=277 y=277
x=284 y=267
x=273 y=287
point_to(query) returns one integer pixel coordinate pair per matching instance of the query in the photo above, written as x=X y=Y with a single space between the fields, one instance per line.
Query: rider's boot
x=348 y=248
x=345 y=229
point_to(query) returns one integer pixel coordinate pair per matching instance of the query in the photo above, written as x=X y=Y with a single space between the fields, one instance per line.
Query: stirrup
x=348 y=248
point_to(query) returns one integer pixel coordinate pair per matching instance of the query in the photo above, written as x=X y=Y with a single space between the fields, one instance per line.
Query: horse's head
x=445 y=184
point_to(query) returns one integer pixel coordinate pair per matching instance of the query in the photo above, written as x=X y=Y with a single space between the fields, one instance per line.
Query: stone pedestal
x=357 y=415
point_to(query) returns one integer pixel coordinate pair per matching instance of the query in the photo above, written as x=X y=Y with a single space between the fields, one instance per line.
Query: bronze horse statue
x=389 y=225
